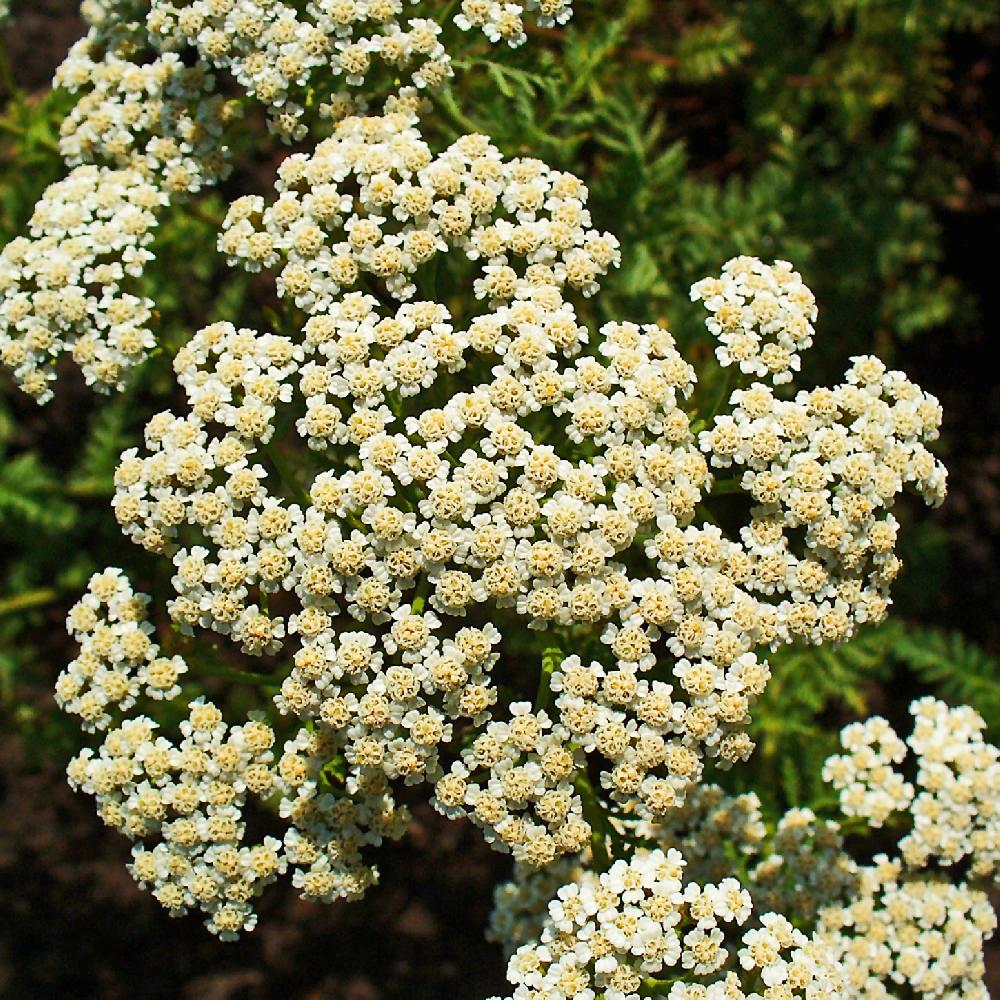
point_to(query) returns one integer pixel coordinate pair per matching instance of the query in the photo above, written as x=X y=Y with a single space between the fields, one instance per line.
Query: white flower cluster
x=118 y=656
x=372 y=201
x=142 y=132
x=536 y=493
x=761 y=315
x=332 y=819
x=866 y=776
x=804 y=866
x=4 y=11
x=891 y=927
x=67 y=288
x=188 y=796
x=825 y=469
x=146 y=78
x=905 y=926
x=909 y=936
x=282 y=53
x=795 y=867
x=278 y=53
x=952 y=801
x=504 y=22
x=709 y=819
x=611 y=933
x=158 y=116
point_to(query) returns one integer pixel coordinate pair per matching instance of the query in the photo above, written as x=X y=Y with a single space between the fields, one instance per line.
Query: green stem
x=197 y=211
x=449 y=11
x=286 y=478
x=726 y=486
x=91 y=489
x=420 y=595
x=240 y=676
x=593 y=813
x=461 y=122
x=656 y=987
x=552 y=657
x=725 y=388
x=28 y=601
x=702 y=511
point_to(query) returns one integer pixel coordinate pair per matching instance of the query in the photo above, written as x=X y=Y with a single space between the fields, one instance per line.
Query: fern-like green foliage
x=815 y=691
x=30 y=497
x=958 y=670
x=705 y=134
x=812 y=693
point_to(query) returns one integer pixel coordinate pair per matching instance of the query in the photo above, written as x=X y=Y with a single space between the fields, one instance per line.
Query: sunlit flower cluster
x=157 y=115
x=282 y=54
x=184 y=802
x=643 y=920
x=71 y=286
x=901 y=932
x=952 y=799
x=143 y=131
x=146 y=79
x=865 y=776
x=887 y=926
x=277 y=52
x=761 y=315
x=560 y=486
x=451 y=536
x=373 y=202
x=371 y=501
x=188 y=796
x=118 y=655
x=504 y=22
x=825 y=469
x=796 y=866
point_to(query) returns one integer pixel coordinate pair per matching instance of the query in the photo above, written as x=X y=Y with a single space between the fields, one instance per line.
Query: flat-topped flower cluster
x=119 y=656
x=640 y=924
x=952 y=797
x=347 y=500
x=559 y=485
x=183 y=801
x=73 y=285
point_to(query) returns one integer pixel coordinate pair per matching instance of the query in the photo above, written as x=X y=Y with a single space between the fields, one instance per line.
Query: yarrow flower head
x=145 y=129
x=762 y=316
x=72 y=286
x=118 y=656
x=457 y=538
x=871 y=930
x=558 y=487
x=952 y=797
x=183 y=801
x=504 y=22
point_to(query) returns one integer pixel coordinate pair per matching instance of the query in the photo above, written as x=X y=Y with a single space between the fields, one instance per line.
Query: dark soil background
x=72 y=923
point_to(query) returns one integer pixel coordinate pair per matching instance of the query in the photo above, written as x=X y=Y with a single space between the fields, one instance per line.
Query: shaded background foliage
x=853 y=137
